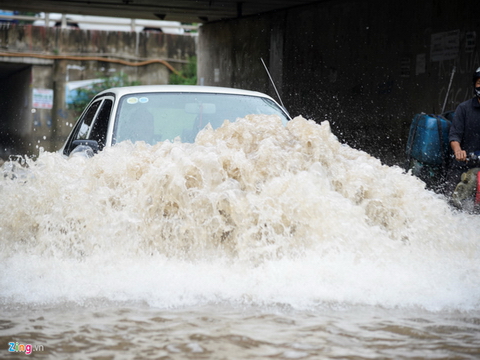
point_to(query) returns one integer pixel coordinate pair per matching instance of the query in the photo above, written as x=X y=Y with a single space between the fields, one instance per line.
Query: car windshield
x=154 y=117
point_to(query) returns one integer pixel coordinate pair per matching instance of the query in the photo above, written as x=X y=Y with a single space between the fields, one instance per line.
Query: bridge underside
x=190 y=11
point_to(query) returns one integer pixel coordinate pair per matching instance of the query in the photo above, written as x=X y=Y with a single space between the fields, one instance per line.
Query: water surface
x=257 y=241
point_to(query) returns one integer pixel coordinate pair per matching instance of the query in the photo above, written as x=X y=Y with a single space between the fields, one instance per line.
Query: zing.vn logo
x=26 y=348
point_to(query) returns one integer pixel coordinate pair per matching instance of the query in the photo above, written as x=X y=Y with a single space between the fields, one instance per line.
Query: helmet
x=475 y=76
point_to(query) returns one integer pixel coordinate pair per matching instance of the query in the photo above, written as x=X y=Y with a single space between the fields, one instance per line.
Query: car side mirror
x=87 y=148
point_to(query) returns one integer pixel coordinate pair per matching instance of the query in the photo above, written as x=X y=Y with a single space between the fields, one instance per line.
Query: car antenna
x=268 y=73
x=448 y=90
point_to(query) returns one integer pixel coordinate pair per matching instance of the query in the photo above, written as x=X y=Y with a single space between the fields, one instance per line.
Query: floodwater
x=257 y=242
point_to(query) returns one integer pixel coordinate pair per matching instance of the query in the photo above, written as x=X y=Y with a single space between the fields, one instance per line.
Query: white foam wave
x=253 y=212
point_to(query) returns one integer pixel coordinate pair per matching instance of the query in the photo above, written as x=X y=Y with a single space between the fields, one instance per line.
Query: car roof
x=120 y=91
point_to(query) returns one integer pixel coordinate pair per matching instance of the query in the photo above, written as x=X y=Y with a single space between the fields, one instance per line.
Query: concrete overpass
x=367 y=66
x=190 y=11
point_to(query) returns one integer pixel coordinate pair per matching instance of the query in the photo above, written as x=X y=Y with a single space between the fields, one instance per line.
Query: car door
x=92 y=125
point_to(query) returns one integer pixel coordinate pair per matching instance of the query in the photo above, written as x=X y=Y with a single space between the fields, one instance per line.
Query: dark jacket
x=466 y=126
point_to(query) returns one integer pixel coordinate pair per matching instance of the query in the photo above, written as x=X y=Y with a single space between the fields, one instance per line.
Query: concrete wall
x=34 y=57
x=367 y=66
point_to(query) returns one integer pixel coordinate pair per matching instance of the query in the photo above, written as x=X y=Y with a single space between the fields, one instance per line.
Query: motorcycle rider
x=464 y=134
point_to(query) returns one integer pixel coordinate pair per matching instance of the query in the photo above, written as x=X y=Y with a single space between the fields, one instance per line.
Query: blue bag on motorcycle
x=428 y=139
x=428 y=148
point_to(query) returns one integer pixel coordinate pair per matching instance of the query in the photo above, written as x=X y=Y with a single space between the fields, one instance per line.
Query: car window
x=83 y=125
x=100 y=125
x=87 y=121
x=154 y=117
x=93 y=124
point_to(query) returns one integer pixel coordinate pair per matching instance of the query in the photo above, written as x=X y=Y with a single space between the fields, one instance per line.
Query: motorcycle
x=429 y=157
x=466 y=195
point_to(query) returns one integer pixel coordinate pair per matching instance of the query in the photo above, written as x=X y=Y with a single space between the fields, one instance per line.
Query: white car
x=162 y=112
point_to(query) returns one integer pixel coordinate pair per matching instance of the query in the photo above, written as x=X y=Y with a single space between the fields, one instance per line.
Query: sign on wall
x=420 y=65
x=445 y=45
x=470 y=40
x=42 y=98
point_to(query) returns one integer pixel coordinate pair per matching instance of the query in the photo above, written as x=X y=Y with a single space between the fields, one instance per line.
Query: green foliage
x=84 y=95
x=26 y=13
x=188 y=76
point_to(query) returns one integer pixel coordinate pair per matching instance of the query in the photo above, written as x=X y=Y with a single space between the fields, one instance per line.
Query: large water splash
x=286 y=214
